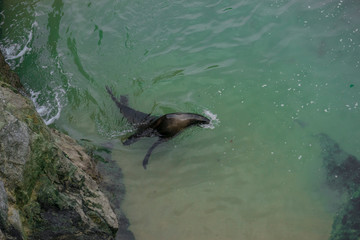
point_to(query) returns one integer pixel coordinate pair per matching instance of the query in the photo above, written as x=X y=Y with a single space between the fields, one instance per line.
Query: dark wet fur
x=164 y=127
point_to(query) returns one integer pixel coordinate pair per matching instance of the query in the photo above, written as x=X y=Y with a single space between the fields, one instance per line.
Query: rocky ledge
x=49 y=186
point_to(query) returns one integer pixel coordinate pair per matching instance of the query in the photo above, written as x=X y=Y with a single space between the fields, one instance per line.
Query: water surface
x=271 y=73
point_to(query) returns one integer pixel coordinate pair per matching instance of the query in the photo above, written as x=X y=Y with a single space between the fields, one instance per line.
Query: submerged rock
x=114 y=190
x=49 y=186
x=343 y=168
x=343 y=175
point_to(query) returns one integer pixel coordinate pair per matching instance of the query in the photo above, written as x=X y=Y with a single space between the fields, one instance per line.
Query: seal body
x=164 y=127
x=169 y=125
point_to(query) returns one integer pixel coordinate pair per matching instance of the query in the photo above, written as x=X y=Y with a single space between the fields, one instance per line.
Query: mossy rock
x=48 y=178
x=346 y=225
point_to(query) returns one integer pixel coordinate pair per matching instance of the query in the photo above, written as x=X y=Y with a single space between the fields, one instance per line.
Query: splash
x=17 y=52
x=214 y=121
x=48 y=111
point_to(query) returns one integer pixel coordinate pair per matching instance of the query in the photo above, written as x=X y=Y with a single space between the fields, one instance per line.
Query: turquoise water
x=270 y=74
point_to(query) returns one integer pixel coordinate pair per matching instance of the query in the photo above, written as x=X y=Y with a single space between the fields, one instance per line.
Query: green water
x=271 y=74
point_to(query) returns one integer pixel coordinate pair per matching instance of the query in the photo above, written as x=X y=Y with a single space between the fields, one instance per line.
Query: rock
x=70 y=148
x=343 y=169
x=8 y=76
x=3 y=205
x=49 y=186
x=343 y=175
x=114 y=189
x=346 y=224
x=2 y=236
x=14 y=220
x=14 y=150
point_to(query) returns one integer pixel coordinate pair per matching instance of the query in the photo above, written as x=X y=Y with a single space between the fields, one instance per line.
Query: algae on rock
x=48 y=184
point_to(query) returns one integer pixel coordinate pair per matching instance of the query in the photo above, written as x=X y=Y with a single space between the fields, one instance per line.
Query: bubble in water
x=213 y=119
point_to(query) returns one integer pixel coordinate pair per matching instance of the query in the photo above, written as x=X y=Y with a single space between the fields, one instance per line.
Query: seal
x=164 y=127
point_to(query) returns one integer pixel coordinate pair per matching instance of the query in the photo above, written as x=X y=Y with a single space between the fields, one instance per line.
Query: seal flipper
x=143 y=131
x=132 y=139
x=147 y=156
x=133 y=116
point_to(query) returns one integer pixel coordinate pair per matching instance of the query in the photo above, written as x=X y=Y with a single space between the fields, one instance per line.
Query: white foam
x=59 y=107
x=116 y=134
x=2 y=17
x=16 y=51
x=48 y=111
x=214 y=121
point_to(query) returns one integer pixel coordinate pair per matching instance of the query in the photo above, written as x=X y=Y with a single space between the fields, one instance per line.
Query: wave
x=17 y=51
x=49 y=111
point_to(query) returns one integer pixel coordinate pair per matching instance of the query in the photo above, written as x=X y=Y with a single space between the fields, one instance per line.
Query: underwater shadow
x=343 y=175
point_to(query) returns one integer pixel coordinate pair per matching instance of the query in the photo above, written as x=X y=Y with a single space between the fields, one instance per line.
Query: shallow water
x=274 y=73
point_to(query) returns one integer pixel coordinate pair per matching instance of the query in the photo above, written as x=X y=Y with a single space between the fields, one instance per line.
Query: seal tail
x=111 y=95
x=133 y=116
x=124 y=100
